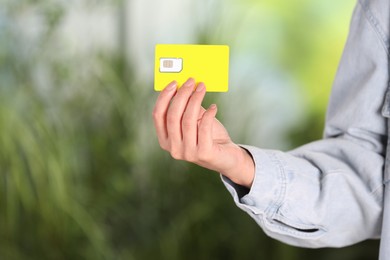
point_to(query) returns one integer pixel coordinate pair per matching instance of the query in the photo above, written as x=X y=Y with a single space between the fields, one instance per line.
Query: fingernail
x=171 y=85
x=190 y=82
x=213 y=106
x=200 y=87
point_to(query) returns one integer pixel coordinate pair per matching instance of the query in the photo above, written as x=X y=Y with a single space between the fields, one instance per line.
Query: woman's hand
x=191 y=133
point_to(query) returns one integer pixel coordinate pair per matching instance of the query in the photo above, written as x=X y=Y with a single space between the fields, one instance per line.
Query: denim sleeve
x=329 y=193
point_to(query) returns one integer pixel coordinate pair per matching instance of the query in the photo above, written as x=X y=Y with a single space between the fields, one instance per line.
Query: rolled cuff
x=269 y=185
x=265 y=198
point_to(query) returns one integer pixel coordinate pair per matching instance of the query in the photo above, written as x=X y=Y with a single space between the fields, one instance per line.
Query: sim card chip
x=168 y=64
x=171 y=64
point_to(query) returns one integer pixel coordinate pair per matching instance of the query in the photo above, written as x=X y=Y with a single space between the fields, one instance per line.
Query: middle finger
x=176 y=110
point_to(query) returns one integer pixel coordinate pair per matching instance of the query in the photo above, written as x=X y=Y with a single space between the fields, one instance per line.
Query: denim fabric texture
x=331 y=192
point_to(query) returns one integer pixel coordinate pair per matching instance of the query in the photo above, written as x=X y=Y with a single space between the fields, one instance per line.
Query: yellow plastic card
x=205 y=63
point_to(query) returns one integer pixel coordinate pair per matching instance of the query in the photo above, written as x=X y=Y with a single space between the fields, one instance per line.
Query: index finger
x=160 y=111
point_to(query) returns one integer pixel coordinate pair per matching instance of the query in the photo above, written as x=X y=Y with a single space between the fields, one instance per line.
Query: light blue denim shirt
x=330 y=193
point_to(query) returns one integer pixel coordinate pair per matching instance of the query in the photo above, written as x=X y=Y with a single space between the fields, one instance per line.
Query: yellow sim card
x=205 y=63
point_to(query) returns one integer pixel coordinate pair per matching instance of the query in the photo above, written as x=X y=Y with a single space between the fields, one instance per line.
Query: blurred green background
x=82 y=175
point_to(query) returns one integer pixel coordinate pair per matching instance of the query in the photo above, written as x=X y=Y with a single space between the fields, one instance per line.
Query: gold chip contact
x=168 y=64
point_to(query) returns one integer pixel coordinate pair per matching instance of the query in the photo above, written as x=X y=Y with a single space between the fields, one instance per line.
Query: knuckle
x=176 y=154
x=203 y=157
x=189 y=157
x=164 y=147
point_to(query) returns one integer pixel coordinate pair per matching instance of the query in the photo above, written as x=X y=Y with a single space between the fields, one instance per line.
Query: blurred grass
x=80 y=181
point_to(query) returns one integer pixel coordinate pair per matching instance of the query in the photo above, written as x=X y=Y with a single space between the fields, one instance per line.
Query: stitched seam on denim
x=375 y=25
x=273 y=207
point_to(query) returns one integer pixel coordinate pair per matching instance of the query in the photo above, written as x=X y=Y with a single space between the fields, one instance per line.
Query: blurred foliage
x=77 y=184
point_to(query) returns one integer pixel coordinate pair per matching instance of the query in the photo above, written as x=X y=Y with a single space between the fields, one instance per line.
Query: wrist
x=244 y=172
